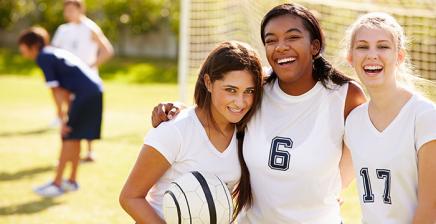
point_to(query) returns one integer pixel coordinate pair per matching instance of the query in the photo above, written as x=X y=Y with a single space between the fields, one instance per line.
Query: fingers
x=164 y=112
x=158 y=115
x=173 y=112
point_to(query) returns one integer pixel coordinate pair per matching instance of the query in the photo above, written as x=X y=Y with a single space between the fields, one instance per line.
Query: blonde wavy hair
x=406 y=75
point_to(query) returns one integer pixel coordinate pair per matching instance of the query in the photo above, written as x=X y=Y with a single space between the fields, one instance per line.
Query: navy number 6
x=279 y=158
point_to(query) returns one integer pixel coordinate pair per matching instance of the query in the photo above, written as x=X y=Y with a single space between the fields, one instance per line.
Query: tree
x=136 y=16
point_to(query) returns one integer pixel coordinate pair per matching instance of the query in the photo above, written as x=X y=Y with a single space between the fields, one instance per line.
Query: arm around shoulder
x=346 y=167
x=355 y=97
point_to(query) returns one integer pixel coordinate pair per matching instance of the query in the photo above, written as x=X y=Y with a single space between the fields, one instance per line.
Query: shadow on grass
x=28 y=132
x=24 y=173
x=28 y=207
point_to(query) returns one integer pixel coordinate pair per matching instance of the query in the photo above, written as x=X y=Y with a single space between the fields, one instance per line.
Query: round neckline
x=291 y=98
x=206 y=138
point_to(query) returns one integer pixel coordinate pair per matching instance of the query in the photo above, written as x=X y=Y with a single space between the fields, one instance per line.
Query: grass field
x=29 y=149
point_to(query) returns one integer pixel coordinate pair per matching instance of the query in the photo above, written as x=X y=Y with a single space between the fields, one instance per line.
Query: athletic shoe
x=49 y=190
x=69 y=186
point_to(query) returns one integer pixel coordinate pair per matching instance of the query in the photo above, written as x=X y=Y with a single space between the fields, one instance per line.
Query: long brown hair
x=226 y=57
x=322 y=70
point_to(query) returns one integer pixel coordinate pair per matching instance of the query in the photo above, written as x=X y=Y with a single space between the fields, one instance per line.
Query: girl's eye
x=384 y=47
x=270 y=41
x=292 y=37
x=249 y=91
x=231 y=90
x=361 y=47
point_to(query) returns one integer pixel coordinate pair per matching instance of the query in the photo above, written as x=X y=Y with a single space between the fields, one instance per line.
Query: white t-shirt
x=292 y=148
x=184 y=143
x=386 y=163
x=77 y=39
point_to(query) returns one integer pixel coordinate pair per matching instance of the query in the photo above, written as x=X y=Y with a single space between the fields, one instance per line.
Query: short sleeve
x=46 y=63
x=166 y=139
x=425 y=127
x=57 y=38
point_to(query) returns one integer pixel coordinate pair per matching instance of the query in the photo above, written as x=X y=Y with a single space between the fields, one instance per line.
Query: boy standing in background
x=82 y=37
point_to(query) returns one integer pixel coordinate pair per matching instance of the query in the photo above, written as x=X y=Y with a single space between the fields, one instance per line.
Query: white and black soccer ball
x=197 y=198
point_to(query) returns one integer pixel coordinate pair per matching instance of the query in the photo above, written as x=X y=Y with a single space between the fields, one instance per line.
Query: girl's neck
x=386 y=104
x=220 y=133
x=388 y=98
x=297 y=87
x=211 y=122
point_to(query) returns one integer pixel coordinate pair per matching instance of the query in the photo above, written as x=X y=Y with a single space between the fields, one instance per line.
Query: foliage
x=13 y=63
x=114 y=16
x=6 y=8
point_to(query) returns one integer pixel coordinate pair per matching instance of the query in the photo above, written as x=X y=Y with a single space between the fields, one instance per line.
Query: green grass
x=140 y=70
x=29 y=150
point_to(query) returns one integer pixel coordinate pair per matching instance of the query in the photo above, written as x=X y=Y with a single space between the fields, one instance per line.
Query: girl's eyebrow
x=287 y=31
x=365 y=41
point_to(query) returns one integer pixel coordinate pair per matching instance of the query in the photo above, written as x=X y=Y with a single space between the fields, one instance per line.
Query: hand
x=65 y=130
x=164 y=112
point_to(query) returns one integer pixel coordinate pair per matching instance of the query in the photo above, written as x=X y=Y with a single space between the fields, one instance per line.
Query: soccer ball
x=198 y=198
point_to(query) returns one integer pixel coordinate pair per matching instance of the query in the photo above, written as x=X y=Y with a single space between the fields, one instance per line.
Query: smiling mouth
x=234 y=110
x=284 y=61
x=373 y=69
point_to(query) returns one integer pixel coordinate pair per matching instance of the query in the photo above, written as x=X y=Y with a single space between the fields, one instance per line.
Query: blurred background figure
x=84 y=38
x=78 y=96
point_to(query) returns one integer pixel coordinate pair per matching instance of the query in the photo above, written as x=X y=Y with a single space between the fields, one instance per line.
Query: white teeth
x=285 y=60
x=373 y=67
x=235 y=110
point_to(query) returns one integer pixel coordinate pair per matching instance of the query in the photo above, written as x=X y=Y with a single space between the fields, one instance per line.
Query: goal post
x=183 y=58
x=205 y=23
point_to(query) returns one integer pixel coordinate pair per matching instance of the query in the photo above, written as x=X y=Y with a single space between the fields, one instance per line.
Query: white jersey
x=292 y=148
x=386 y=163
x=77 y=39
x=185 y=145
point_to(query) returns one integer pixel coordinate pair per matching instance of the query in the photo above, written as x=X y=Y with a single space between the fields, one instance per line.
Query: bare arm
x=346 y=167
x=62 y=101
x=61 y=98
x=105 y=49
x=149 y=167
x=426 y=211
x=355 y=97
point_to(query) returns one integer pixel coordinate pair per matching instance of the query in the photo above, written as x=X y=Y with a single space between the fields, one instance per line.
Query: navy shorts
x=84 y=117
